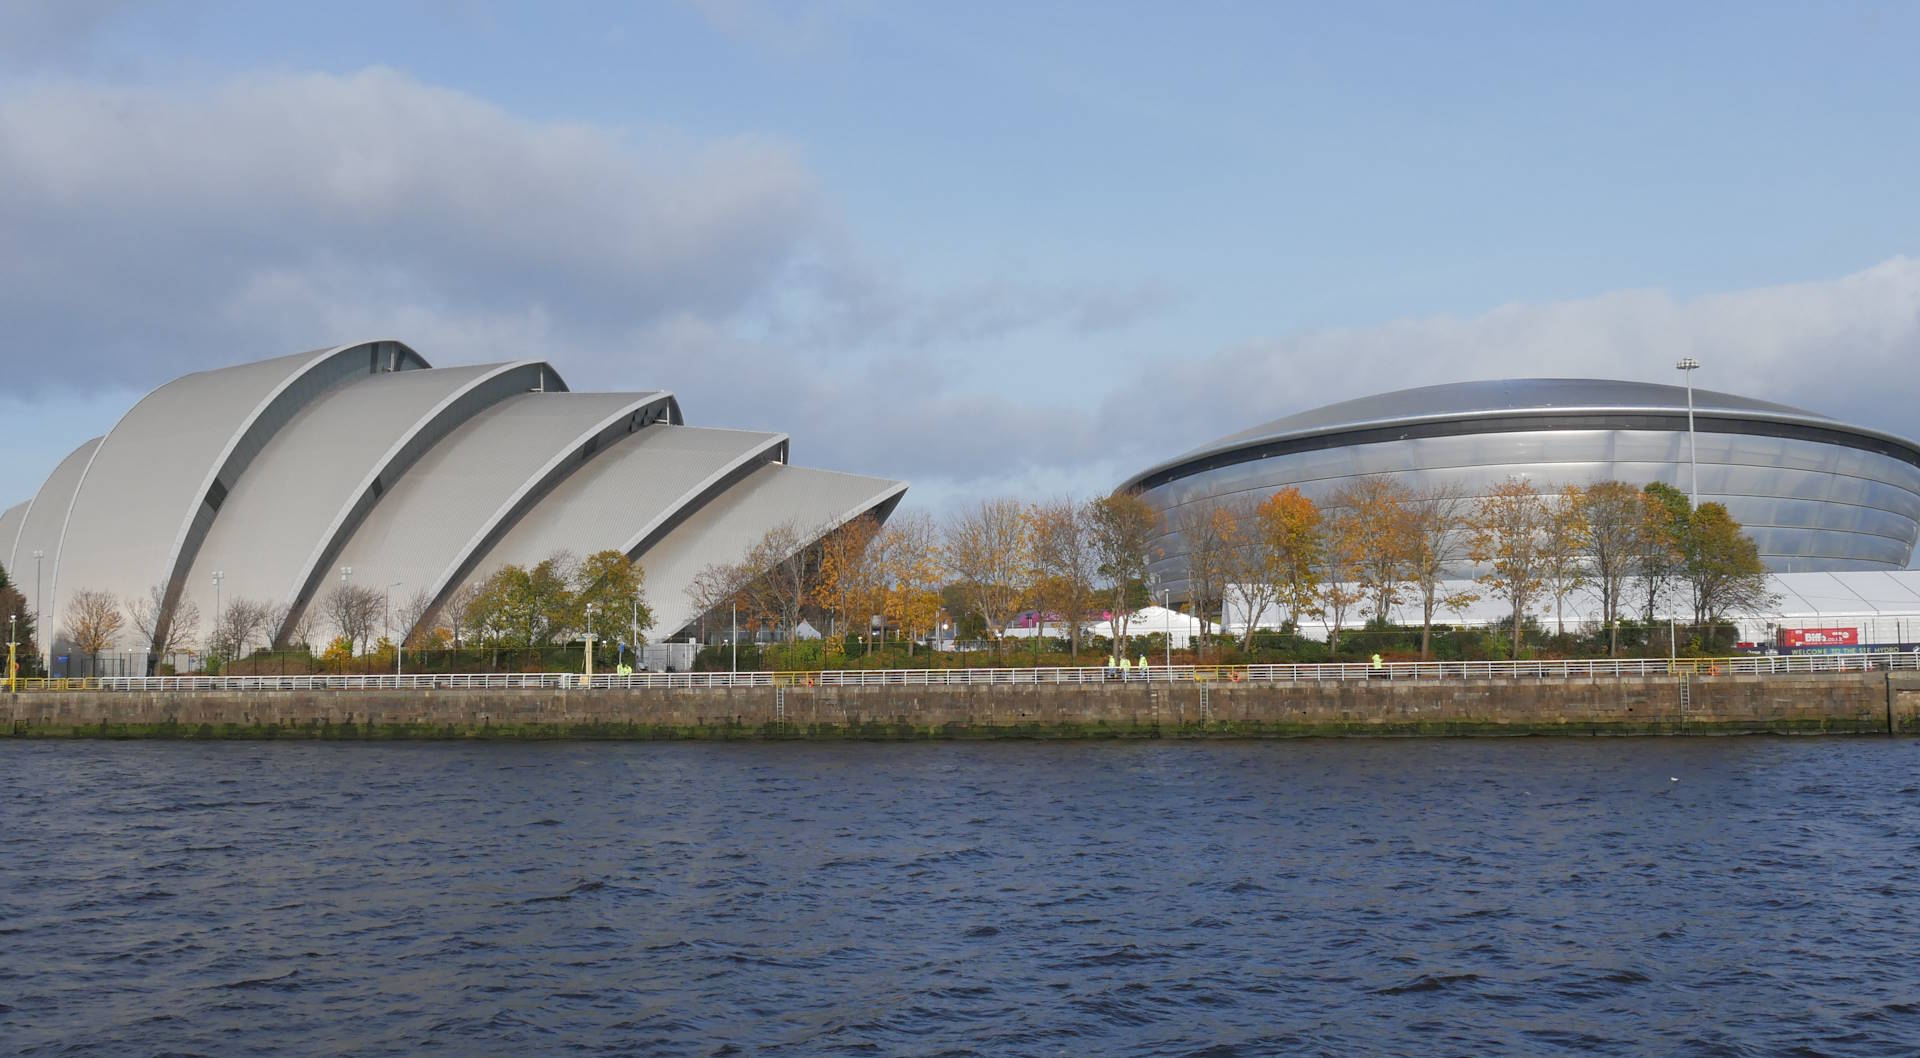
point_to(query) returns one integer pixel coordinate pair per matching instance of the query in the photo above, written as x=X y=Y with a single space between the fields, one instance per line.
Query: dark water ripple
x=1528 y=897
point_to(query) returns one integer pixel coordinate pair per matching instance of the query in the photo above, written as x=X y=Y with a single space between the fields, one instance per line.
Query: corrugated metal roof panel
x=274 y=516
x=617 y=500
x=817 y=501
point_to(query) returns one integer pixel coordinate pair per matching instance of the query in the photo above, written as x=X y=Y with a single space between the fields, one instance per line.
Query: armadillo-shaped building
x=279 y=473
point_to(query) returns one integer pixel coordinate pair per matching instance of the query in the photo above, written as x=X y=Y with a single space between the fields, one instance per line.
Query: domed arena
x=1816 y=494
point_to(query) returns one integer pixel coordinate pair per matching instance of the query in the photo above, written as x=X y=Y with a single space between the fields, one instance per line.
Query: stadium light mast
x=1687 y=366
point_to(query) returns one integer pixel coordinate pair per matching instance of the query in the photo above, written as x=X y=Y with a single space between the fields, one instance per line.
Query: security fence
x=1597 y=668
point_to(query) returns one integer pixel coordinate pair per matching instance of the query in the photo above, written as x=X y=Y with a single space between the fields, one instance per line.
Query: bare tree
x=302 y=628
x=716 y=585
x=1248 y=561
x=1437 y=542
x=989 y=548
x=354 y=612
x=784 y=572
x=1614 y=515
x=410 y=614
x=93 y=623
x=1064 y=564
x=1565 y=549
x=1122 y=524
x=243 y=622
x=454 y=613
x=1203 y=526
x=166 y=637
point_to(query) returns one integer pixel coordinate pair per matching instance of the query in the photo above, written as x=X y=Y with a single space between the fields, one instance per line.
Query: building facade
x=273 y=480
x=1815 y=493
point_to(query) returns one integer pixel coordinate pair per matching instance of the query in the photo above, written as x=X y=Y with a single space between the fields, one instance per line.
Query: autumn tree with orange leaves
x=1294 y=534
x=1507 y=536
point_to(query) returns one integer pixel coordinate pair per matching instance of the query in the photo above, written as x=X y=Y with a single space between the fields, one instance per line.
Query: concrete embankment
x=1826 y=703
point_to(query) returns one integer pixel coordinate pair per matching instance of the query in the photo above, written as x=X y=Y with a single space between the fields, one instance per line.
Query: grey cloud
x=133 y=213
x=37 y=32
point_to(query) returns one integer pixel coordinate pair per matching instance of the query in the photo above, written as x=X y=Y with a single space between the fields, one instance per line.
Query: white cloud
x=1846 y=347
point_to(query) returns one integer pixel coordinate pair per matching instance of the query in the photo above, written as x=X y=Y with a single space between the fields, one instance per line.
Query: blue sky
x=1020 y=248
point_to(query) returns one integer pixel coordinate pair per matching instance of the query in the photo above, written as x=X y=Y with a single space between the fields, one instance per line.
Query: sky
x=1025 y=248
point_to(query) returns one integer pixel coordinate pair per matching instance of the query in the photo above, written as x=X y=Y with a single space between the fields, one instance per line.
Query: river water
x=1737 y=896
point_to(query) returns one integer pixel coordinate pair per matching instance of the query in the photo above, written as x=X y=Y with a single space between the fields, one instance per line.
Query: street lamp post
x=733 y=640
x=218 y=632
x=1687 y=366
x=13 y=646
x=400 y=648
x=46 y=642
x=633 y=634
x=346 y=581
x=589 y=643
x=1168 y=621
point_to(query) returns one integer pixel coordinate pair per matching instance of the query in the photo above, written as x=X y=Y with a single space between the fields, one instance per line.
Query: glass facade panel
x=1808 y=504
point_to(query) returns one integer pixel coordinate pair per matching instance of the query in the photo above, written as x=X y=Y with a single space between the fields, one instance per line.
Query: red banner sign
x=1819 y=637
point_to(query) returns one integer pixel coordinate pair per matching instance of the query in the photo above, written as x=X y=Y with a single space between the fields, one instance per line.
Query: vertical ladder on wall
x=780 y=705
x=1206 y=712
x=1686 y=693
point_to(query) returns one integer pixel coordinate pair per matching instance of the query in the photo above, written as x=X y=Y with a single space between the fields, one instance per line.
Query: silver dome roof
x=1498 y=399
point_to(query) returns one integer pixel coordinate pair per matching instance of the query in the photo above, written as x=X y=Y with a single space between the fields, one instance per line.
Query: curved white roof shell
x=635 y=492
x=315 y=480
x=10 y=522
x=40 y=530
x=169 y=463
x=816 y=501
x=277 y=474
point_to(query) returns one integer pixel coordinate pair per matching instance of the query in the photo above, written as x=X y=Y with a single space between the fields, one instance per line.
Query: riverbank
x=1878 y=703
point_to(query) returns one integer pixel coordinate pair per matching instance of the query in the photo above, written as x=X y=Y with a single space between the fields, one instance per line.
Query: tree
x=241 y=622
x=910 y=557
x=1067 y=565
x=1723 y=568
x=1339 y=587
x=456 y=612
x=352 y=611
x=15 y=613
x=1661 y=538
x=783 y=577
x=990 y=549
x=1614 y=514
x=167 y=638
x=410 y=618
x=1247 y=563
x=1381 y=525
x=1507 y=536
x=1565 y=545
x=1436 y=539
x=1295 y=539
x=1122 y=524
x=850 y=585
x=1203 y=526
x=93 y=624
x=715 y=586
x=615 y=587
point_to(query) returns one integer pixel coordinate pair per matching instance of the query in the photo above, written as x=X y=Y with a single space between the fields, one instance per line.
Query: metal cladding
x=278 y=473
x=1815 y=493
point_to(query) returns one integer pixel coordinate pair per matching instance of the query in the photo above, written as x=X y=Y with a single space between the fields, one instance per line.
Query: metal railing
x=1596 y=668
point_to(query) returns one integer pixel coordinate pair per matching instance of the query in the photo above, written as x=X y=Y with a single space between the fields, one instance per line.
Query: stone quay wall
x=1826 y=703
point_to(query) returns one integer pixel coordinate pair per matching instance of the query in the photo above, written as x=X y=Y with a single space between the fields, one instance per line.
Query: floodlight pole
x=1687 y=366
